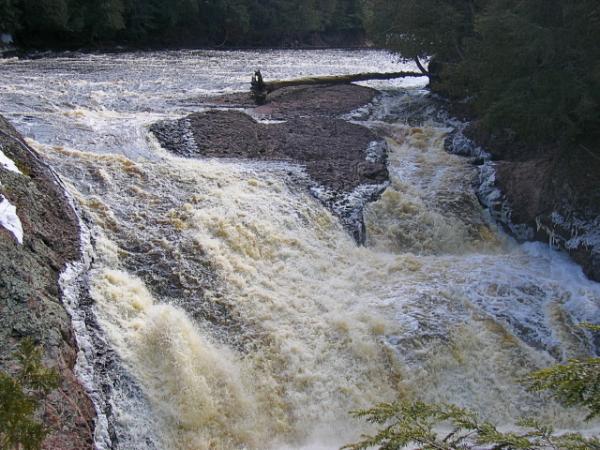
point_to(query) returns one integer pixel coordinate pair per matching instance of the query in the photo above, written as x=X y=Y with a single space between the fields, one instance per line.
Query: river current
x=222 y=306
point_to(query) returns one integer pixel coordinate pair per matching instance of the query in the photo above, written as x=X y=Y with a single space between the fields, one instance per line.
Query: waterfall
x=236 y=309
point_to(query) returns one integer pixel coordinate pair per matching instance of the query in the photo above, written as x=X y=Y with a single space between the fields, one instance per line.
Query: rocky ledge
x=345 y=161
x=554 y=192
x=39 y=236
x=542 y=192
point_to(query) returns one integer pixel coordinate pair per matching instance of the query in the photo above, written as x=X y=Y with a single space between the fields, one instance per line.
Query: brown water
x=240 y=313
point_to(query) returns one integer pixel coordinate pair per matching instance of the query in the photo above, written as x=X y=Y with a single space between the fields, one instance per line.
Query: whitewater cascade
x=232 y=308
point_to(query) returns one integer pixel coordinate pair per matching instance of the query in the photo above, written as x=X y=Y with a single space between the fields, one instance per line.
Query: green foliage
x=47 y=22
x=527 y=72
x=409 y=424
x=591 y=327
x=406 y=424
x=20 y=397
x=48 y=16
x=420 y=28
x=575 y=383
x=10 y=16
x=529 y=65
x=103 y=17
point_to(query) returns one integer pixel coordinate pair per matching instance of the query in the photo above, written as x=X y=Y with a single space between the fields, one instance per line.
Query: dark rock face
x=339 y=156
x=30 y=295
x=333 y=151
x=552 y=191
x=524 y=182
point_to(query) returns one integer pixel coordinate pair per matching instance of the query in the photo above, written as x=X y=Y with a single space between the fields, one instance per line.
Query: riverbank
x=39 y=237
x=547 y=192
x=349 y=40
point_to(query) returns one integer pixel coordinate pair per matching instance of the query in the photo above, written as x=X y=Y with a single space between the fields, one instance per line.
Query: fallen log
x=260 y=88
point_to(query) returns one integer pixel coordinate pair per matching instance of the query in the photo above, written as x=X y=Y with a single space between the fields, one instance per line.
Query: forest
x=529 y=65
x=177 y=22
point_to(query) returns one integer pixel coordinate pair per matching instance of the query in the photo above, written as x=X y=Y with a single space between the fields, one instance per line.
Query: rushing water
x=230 y=309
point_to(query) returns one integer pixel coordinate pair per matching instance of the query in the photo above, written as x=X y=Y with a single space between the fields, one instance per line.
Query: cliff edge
x=39 y=236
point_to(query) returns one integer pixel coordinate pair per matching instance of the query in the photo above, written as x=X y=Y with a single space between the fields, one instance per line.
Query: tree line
x=190 y=22
x=532 y=66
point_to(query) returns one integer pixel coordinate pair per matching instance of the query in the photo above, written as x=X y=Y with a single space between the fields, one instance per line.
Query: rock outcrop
x=30 y=294
x=552 y=192
x=346 y=161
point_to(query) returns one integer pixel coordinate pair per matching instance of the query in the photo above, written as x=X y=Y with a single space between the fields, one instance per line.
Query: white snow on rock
x=10 y=220
x=8 y=163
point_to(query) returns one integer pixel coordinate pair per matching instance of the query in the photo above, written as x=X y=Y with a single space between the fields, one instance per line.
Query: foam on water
x=199 y=391
x=307 y=320
x=319 y=314
x=429 y=207
x=241 y=310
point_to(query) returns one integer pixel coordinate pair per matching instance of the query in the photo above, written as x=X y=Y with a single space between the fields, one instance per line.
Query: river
x=224 y=307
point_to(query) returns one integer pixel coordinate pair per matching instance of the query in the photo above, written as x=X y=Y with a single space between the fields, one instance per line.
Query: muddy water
x=239 y=312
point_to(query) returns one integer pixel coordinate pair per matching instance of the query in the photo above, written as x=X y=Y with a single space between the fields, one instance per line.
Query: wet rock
x=524 y=182
x=346 y=161
x=297 y=101
x=30 y=298
x=544 y=192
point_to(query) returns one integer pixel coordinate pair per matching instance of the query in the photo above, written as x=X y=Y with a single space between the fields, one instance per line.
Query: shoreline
x=33 y=51
x=546 y=193
x=32 y=270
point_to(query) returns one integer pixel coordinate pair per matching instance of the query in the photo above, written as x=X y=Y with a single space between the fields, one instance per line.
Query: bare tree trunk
x=424 y=71
x=260 y=89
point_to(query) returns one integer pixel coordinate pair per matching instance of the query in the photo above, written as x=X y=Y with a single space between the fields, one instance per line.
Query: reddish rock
x=30 y=295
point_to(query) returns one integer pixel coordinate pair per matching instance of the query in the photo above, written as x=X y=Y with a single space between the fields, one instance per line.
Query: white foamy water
x=241 y=313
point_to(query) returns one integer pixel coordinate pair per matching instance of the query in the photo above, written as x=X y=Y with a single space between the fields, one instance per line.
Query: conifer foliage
x=408 y=424
x=155 y=22
x=21 y=396
x=532 y=66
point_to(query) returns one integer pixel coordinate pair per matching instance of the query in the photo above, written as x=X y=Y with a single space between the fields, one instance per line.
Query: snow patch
x=10 y=220
x=270 y=121
x=8 y=163
x=580 y=231
x=377 y=152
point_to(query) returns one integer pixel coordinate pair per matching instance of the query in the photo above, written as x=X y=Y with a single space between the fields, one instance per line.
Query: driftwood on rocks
x=260 y=89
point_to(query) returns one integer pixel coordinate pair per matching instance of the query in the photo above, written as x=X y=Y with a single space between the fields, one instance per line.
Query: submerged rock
x=30 y=296
x=346 y=161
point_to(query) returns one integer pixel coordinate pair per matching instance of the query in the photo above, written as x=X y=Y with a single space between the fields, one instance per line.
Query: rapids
x=222 y=306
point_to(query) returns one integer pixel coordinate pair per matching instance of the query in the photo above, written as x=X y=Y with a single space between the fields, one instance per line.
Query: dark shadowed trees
x=212 y=22
x=10 y=17
x=528 y=65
